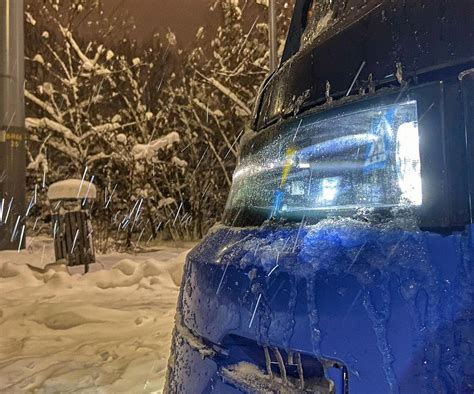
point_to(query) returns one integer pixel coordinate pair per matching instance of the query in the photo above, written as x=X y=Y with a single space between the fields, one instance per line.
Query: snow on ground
x=106 y=332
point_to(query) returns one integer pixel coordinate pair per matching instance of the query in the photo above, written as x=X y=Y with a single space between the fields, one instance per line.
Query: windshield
x=321 y=15
x=367 y=158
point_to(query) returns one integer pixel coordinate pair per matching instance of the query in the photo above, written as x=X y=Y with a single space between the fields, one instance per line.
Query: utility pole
x=272 y=29
x=12 y=125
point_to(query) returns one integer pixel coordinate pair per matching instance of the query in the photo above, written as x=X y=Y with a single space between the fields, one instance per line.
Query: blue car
x=345 y=259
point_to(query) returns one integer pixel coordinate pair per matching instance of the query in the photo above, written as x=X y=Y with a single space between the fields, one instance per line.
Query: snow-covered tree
x=157 y=128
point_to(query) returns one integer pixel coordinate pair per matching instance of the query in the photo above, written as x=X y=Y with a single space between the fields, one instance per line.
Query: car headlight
x=364 y=158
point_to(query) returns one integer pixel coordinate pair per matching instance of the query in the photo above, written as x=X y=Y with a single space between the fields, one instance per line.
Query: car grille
x=267 y=369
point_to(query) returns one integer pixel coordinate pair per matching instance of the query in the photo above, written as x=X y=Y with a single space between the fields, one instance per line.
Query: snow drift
x=108 y=331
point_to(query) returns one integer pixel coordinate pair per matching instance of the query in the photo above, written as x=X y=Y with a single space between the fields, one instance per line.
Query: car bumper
x=337 y=307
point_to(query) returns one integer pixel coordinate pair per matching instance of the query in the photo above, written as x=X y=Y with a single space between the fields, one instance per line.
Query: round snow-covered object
x=72 y=189
x=122 y=138
x=149 y=115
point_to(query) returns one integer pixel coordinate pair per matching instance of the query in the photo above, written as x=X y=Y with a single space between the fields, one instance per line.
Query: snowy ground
x=106 y=332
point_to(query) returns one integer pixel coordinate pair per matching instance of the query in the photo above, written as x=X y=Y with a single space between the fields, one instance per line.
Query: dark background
x=183 y=17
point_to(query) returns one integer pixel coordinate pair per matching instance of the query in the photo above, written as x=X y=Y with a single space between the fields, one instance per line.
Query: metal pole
x=12 y=125
x=272 y=28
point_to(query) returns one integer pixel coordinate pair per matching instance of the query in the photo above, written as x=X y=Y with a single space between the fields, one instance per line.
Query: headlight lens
x=366 y=158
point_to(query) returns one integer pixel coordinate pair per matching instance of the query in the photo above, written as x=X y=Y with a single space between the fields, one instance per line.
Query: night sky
x=183 y=17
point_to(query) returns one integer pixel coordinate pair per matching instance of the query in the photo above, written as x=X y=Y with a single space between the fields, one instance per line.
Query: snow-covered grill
x=72 y=238
x=72 y=228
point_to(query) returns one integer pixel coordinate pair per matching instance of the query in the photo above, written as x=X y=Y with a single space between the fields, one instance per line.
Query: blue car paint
x=394 y=306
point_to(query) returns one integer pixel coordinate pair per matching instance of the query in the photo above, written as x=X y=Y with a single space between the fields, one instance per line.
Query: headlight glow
x=408 y=162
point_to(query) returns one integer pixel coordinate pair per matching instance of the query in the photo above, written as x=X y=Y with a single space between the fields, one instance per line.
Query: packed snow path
x=107 y=332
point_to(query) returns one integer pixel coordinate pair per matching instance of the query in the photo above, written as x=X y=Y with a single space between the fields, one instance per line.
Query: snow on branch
x=47 y=107
x=108 y=127
x=148 y=151
x=38 y=123
x=99 y=156
x=87 y=63
x=226 y=91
